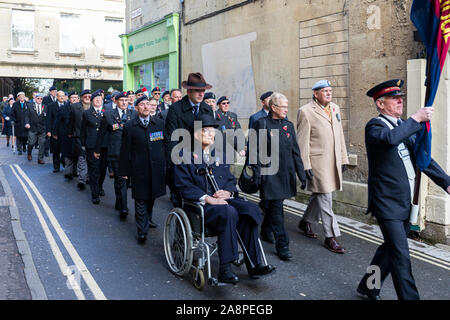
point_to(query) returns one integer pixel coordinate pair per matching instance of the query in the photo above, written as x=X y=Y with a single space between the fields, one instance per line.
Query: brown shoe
x=29 y=157
x=305 y=227
x=41 y=162
x=332 y=245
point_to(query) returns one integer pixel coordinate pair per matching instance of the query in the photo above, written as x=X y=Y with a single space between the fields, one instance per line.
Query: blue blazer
x=254 y=117
x=388 y=187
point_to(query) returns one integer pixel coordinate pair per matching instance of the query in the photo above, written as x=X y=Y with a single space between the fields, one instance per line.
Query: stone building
x=73 y=45
x=247 y=47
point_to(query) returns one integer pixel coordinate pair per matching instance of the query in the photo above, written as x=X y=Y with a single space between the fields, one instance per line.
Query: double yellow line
x=367 y=237
x=72 y=282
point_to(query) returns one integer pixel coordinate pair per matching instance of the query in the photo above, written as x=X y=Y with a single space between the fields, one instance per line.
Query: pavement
x=57 y=245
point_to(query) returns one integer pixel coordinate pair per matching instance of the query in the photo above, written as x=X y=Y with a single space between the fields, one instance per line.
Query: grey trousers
x=320 y=207
x=39 y=138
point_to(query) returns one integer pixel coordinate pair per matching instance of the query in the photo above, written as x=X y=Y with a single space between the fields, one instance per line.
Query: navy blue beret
x=266 y=95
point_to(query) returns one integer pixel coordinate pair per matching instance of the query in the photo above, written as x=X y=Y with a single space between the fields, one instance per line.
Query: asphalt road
x=114 y=266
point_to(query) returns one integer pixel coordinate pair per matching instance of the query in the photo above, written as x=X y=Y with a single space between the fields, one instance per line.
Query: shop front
x=150 y=56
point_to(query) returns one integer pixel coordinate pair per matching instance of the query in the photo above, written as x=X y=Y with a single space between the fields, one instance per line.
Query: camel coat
x=322 y=146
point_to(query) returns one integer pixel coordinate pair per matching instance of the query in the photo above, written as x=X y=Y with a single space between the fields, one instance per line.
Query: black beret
x=96 y=94
x=221 y=99
x=138 y=91
x=121 y=95
x=52 y=88
x=387 y=88
x=165 y=93
x=209 y=95
x=266 y=95
x=156 y=89
x=144 y=97
x=207 y=120
x=73 y=93
x=85 y=91
x=130 y=92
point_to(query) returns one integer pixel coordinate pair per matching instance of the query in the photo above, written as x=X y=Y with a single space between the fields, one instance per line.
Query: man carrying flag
x=389 y=144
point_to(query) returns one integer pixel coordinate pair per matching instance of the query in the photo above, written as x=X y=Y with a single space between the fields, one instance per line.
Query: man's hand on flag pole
x=423 y=114
x=448 y=189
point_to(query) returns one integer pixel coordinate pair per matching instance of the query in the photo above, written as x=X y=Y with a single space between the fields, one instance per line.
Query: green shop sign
x=148 y=43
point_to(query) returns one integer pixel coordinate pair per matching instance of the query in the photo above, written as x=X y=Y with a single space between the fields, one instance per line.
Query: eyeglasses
x=208 y=130
x=158 y=93
x=224 y=103
x=282 y=107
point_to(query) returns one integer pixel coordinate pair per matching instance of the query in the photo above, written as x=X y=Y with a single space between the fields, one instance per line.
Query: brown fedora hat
x=196 y=81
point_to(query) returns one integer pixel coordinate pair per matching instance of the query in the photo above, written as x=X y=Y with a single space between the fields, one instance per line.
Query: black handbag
x=246 y=182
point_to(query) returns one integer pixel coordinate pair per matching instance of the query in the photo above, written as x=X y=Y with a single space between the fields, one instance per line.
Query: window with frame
x=22 y=30
x=70 y=35
x=113 y=29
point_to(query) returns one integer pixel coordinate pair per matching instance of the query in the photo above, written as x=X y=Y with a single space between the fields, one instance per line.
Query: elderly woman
x=276 y=186
x=225 y=211
x=7 y=127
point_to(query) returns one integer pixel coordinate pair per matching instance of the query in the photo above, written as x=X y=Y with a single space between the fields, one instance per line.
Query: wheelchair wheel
x=178 y=242
x=198 y=278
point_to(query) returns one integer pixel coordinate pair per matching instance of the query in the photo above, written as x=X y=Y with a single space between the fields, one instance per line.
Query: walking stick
x=14 y=138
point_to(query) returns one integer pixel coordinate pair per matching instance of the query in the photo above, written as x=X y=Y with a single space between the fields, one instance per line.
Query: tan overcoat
x=322 y=146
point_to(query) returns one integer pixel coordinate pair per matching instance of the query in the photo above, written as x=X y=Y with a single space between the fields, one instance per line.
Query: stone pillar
x=435 y=202
x=86 y=84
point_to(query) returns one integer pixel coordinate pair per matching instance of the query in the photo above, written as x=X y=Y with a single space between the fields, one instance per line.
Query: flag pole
x=418 y=172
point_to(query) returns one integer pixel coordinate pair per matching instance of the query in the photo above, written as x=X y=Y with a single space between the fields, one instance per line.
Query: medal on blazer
x=156 y=136
x=115 y=126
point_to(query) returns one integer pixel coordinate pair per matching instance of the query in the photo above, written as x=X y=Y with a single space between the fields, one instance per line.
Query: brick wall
x=324 y=55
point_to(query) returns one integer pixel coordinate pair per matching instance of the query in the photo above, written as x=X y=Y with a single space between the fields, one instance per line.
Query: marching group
x=134 y=135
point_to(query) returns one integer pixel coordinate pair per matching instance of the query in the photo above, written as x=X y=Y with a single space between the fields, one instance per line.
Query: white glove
x=7 y=118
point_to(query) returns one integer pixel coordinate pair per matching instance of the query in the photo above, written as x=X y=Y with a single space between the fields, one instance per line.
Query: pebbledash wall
x=87 y=52
x=245 y=48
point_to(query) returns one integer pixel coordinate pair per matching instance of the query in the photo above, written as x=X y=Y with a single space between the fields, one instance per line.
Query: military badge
x=288 y=134
x=115 y=126
x=338 y=117
x=156 y=136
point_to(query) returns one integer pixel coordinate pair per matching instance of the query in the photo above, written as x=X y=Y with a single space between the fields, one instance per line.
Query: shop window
x=114 y=28
x=161 y=75
x=70 y=36
x=22 y=28
x=151 y=75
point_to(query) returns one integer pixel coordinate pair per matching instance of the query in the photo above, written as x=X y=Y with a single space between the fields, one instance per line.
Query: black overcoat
x=38 y=123
x=142 y=158
x=90 y=126
x=18 y=116
x=283 y=183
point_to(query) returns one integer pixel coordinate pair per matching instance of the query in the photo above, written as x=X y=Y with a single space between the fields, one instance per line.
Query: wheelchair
x=187 y=246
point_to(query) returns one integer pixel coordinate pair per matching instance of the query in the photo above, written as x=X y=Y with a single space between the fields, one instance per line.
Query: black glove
x=309 y=174
x=344 y=168
x=303 y=186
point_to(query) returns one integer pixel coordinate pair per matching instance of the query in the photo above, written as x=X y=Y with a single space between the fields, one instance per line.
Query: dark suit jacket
x=90 y=126
x=18 y=116
x=180 y=116
x=38 y=123
x=388 y=185
x=52 y=112
x=112 y=126
x=47 y=100
x=258 y=115
x=142 y=158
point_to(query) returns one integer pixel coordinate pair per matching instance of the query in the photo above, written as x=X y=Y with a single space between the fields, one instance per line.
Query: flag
x=432 y=20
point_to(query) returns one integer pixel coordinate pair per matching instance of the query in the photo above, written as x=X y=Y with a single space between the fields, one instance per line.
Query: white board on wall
x=227 y=66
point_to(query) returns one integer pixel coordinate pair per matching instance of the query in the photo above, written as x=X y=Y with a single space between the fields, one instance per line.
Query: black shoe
x=284 y=254
x=123 y=214
x=151 y=224
x=142 y=238
x=7 y=144
x=102 y=193
x=226 y=275
x=46 y=154
x=366 y=292
x=68 y=177
x=55 y=170
x=96 y=201
x=267 y=237
x=19 y=153
x=260 y=270
x=81 y=186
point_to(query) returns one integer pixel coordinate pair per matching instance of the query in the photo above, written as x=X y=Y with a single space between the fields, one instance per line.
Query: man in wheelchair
x=226 y=214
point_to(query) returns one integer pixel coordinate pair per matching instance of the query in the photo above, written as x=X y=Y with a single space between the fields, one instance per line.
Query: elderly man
x=112 y=124
x=51 y=97
x=156 y=93
x=55 y=144
x=389 y=144
x=76 y=116
x=165 y=103
x=131 y=98
x=324 y=154
x=18 y=112
x=142 y=160
x=35 y=120
x=264 y=111
x=225 y=212
x=182 y=114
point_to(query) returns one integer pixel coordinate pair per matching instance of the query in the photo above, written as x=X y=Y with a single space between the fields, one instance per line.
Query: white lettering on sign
x=86 y=75
x=136 y=13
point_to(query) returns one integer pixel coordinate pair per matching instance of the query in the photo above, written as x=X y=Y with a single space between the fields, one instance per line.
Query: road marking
x=63 y=266
x=370 y=238
x=88 y=278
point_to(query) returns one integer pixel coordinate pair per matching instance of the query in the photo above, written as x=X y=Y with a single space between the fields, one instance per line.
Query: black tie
x=399 y=122
x=124 y=116
x=196 y=110
x=145 y=122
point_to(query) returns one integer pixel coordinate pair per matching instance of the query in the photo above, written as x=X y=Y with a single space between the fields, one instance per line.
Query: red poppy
x=285 y=128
